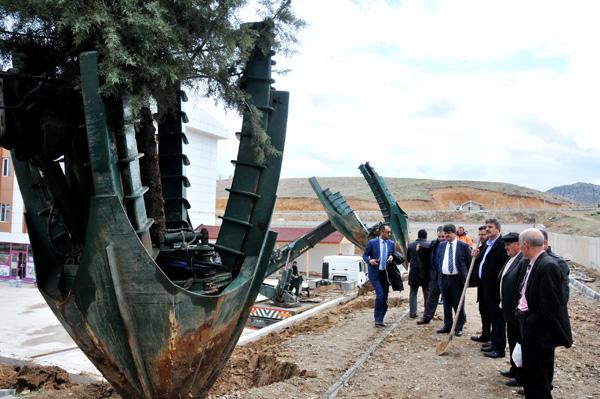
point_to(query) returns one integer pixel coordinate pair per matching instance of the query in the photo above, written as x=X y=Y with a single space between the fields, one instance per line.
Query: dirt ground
x=304 y=360
x=406 y=366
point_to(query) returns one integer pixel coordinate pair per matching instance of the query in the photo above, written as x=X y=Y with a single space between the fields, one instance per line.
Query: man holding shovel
x=455 y=267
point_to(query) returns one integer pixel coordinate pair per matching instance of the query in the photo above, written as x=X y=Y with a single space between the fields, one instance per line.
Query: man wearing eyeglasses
x=377 y=253
x=541 y=314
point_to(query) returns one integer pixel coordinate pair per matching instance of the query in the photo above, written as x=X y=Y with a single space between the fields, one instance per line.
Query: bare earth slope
x=412 y=194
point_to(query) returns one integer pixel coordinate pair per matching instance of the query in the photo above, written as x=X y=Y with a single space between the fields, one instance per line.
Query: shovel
x=442 y=346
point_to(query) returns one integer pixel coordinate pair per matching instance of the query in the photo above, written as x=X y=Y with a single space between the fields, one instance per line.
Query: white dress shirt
x=445 y=269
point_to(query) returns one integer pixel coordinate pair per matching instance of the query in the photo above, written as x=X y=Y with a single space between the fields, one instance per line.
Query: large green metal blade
x=391 y=211
x=341 y=215
x=151 y=337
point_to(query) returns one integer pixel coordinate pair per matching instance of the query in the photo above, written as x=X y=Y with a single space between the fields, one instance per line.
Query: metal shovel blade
x=442 y=346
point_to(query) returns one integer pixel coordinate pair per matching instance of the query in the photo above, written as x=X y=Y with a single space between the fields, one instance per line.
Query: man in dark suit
x=542 y=315
x=418 y=273
x=435 y=282
x=509 y=279
x=456 y=258
x=564 y=267
x=377 y=253
x=488 y=292
x=486 y=322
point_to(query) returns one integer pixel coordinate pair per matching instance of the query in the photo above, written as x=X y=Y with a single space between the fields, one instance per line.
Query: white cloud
x=451 y=90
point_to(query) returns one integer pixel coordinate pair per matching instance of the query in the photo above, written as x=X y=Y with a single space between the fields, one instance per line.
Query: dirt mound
x=50 y=383
x=8 y=376
x=32 y=378
x=269 y=369
x=255 y=366
x=365 y=289
x=97 y=390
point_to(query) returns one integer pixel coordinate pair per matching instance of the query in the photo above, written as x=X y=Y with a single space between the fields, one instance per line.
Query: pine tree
x=146 y=47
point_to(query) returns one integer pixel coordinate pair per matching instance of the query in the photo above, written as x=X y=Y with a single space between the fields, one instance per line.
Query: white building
x=203 y=133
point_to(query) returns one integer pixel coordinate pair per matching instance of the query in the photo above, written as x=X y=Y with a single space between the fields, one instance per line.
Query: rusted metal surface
x=148 y=333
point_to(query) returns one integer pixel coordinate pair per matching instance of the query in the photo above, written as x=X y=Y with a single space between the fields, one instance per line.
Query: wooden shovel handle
x=464 y=291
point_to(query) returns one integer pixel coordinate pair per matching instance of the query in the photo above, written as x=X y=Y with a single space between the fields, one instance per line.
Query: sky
x=502 y=91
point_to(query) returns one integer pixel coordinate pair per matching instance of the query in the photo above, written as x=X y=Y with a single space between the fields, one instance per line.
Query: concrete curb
x=252 y=337
x=584 y=289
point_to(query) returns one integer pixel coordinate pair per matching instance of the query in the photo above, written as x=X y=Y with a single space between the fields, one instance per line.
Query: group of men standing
x=522 y=292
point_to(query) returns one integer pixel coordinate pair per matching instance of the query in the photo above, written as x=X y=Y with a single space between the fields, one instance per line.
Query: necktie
x=450 y=259
x=521 y=288
x=383 y=254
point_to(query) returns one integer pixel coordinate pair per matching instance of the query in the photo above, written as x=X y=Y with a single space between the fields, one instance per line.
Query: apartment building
x=16 y=259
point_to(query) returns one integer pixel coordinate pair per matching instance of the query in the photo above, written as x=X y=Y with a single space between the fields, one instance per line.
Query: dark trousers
x=412 y=298
x=433 y=296
x=486 y=321
x=382 y=288
x=512 y=334
x=538 y=364
x=498 y=330
x=452 y=286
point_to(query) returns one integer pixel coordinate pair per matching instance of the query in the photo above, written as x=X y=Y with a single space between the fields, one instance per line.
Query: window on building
x=5 y=166
x=4 y=213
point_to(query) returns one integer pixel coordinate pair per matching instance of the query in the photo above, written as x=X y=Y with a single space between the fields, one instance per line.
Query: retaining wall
x=580 y=249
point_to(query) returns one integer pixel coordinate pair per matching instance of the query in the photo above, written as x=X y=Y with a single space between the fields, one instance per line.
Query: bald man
x=541 y=314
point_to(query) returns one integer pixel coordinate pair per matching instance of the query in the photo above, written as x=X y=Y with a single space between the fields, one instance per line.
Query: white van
x=345 y=268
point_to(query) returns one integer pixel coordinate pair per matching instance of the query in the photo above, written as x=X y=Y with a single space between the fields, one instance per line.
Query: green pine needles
x=146 y=47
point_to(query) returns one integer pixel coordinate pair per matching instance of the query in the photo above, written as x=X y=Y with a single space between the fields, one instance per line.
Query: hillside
x=582 y=193
x=411 y=194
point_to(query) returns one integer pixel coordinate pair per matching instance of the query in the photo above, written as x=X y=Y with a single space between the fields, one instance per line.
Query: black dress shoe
x=423 y=321
x=380 y=324
x=488 y=349
x=513 y=382
x=507 y=374
x=413 y=316
x=457 y=333
x=494 y=354
x=479 y=338
x=443 y=331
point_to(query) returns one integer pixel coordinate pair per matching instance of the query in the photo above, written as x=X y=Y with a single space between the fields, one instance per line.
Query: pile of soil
x=50 y=382
x=32 y=378
x=8 y=376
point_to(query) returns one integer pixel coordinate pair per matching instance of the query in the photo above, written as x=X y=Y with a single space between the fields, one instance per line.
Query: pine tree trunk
x=150 y=174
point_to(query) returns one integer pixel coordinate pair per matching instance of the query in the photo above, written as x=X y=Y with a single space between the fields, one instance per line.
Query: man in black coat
x=478 y=254
x=434 y=290
x=455 y=261
x=564 y=267
x=418 y=273
x=542 y=315
x=509 y=280
x=488 y=292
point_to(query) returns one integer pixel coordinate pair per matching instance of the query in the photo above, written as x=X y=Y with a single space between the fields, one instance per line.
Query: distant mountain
x=583 y=193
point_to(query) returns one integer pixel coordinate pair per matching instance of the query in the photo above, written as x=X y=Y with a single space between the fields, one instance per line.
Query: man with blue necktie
x=455 y=267
x=377 y=253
